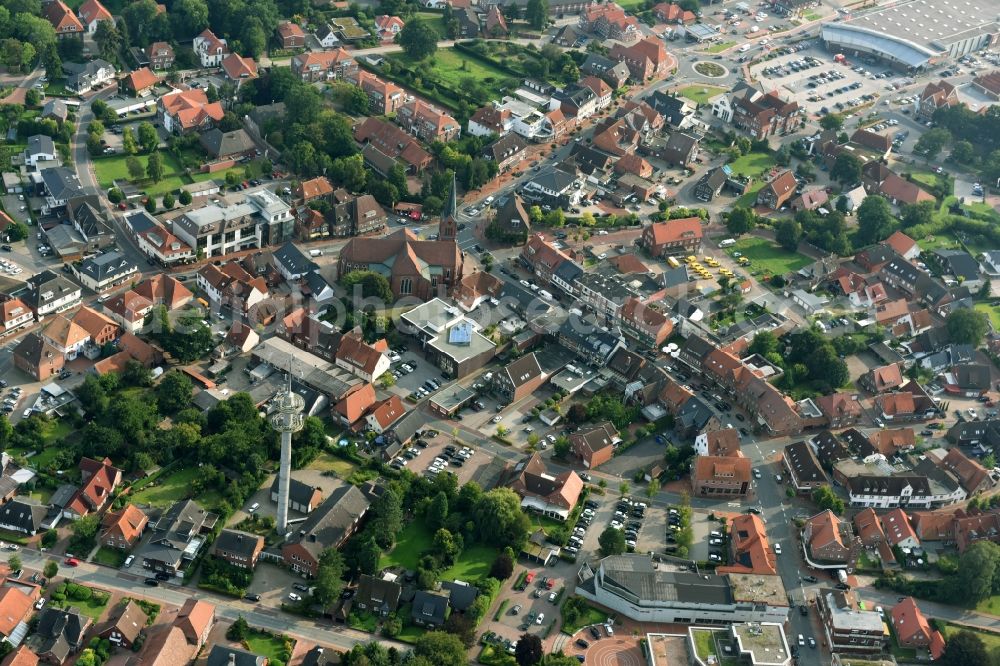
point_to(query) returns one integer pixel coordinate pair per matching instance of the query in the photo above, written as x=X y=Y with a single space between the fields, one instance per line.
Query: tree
x=537 y=13
x=129 y=144
x=148 y=138
x=440 y=649
x=418 y=39
x=967 y=326
x=764 y=343
x=154 y=168
x=109 y=40
x=963 y=649
x=499 y=519
x=388 y=521
x=831 y=121
x=918 y=213
x=788 y=233
x=437 y=511
x=329 y=575
x=185 y=198
x=173 y=393
x=188 y=17
x=134 y=168
x=562 y=447
x=150 y=205
x=372 y=285
x=528 y=651
x=51 y=568
x=846 y=169
x=14 y=562
x=963 y=152
x=136 y=374
x=502 y=567
x=17 y=231
x=875 y=220
x=623 y=488
x=168 y=201
x=612 y=542
x=652 y=488
x=238 y=630
x=741 y=221
x=931 y=142
x=32 y=97
x=825 y=498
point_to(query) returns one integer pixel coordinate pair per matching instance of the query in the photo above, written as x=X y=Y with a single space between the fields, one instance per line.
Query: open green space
x=492 y=655
x=169 y=488
x=720 y=47
x=632 y=5
x=362 y=621
x=6 y=152
x=451 y=72
x=57 y=88
x=990 y=639
x=415 y=539
x=769 y=256
x=749 y=200
x=267 y=645
x=93 y=607
x=325 y=462
x=927 y=178
x=812 y=16
x=752 y=164
x=590 y=616
x=412 y=541
x=435 y=20
x=990 y=605
x=700 y=94
x=110 y=557
x=992 y=311
x=109 y=169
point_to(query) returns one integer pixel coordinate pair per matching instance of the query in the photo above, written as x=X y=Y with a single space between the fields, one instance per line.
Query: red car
x=530 y=577
x=73 y=562
x=550 y=583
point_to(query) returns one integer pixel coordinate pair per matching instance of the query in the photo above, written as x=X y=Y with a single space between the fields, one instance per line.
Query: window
x=406 y=286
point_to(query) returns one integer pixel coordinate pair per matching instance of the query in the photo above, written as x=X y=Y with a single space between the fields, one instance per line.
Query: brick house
x=716 y=476
x=291 y=35
x=594 y=446
x=240 y=549
x=646 y=59
x=831 y=540
x=123 y=529
x=518 y=379
x=329 y=526
x=673 y=237
x=778 y=191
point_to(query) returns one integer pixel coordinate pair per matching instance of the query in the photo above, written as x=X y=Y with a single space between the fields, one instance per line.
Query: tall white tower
x=287 y=420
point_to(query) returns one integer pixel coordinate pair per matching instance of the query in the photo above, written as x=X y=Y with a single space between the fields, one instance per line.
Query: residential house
x=614 y=73
x=749 y=549
x=710 y=184
x=37 y=357
x=988 y=84
x=326 y=35
x=21 y=656
x=934 y=96
x=912 y=629
x=382 y=140
x=302 y=497
x=674 y=237
x=681 y=149
x=384 y=414
x=315 y=66
x=677 y=111
x=123 y=627
x=879 y=179
x=40 y=148
x=841 y=410
x=542 y=492
x=898 y=530
x=23 y=516
x=91 y=75
x=233 y=144
x=238 y=69
x=961 y=265
x=65 y=22
x=519 y=379
x=594 y=445
x=100 y=329
x=507 y=152
x=123 y=529
x=15 y=607
x=779 y=190
x=99 y=481
x=387 y=27
x=232 y=286
x=361 y=359
x=414 y=267
x=55 y=109
x=429 y=610
x=178 y=537
x=329 y=526
x=974 y=477
x=576 y=101
x=14 y=314
x=809 y=200
x=291 y=35
x=210 y=49
x=59 y=634
x=161 y=55
x=723 y=477
x=673 y=14
x=847 y=629
x=91 y=13
x=384 y=97
x=141 y=81
x=541 y=257
x=377 y=596
x=427 y=122
x=189 y=110
x=804 y=470
x=831 y=540
x=649 y=326
x=179 y=642
x=239 y=549
x=724 y=443
x=646 y=59
x=882 y=379
x=610 y=21
x=759 y=114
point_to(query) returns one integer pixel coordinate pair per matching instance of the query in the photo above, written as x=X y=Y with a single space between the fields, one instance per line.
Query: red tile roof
x=681 y=229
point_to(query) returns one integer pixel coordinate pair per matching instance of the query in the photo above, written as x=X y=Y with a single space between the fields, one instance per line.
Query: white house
x=105 y=271
x=722 y=108
x=327 y=36
x=913 y=492
x=40 y=148
x=210 y=49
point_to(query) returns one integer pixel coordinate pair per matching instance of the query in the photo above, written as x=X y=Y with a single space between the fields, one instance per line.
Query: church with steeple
x=415 y=268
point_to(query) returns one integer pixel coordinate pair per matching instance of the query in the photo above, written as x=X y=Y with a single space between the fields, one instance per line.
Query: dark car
x=6 y=248
x=152 y=582
x=596 y=633
x=300 y=587
x=804 y=609
x=582 y=643
x=252 y=597
x=811 y=579
x=161 y=575
x=842 y=586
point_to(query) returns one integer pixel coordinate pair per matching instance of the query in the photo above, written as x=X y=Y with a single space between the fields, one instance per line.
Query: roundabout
x=615 y=652
x=711 y=70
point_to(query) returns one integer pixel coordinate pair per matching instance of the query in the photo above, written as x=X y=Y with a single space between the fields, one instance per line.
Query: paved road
x=318 y=631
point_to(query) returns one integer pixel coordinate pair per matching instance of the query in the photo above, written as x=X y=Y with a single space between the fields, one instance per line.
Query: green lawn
x=110 y=557
x=993 y=312
x=749 y=200
x=811 y=16
x=700 y=94
x=362 y=622
x=434 y=20
x=704 y=643
x=412 y=541
x=6 y=152
x=458 y=72
x=109 y=169
x=325 y=462
x=591 y=616
x=720 y=47
x=175 y=486
x=57 y=88
x=266 y=645
x=494 y=656
x=472 y=564
x=992 y=640
x=769 y=256
x=928 y=178
x=415 y=539
x=752 y=164
x=91 y=607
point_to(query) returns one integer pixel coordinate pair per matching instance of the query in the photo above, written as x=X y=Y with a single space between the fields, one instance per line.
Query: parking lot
x=816 y=81
x=421 y=456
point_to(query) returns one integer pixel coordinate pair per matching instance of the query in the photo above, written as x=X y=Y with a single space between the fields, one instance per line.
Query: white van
x=544 y=294
x=728 y=242
x=315 y=253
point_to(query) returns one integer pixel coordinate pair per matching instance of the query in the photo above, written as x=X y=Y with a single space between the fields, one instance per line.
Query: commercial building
x=916 y=34
x=646 y=591
x=848 y=629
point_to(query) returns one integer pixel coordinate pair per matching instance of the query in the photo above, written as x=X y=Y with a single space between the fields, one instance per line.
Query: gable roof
x=129 y=522
x=328 y=524
x=671 y=231
x=353 y=405
x=897 y=527
x=531 y=477
x=128 y=620
x=900 y=242
x=14 y=608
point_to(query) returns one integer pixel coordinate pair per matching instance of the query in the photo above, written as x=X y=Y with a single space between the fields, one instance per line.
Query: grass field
x=494 y=656
x=992 y=311
x=266 y=645
x=770 y=257
x=325 y=462
x=811 y=16
x=752 y=164
x=434 y=20
x=990 y=639
x=749 y=199
x=172 y=487
x=90 y=607
x=457 y=71
x=928 y=178
x=589 y=617
x=700 y=94
x=109 y=169
x=110 y=557
x=472 y=564
x=720 y=47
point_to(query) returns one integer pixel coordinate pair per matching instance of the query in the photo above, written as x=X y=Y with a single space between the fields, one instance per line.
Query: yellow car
x=692 y=259
x=744 y=261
